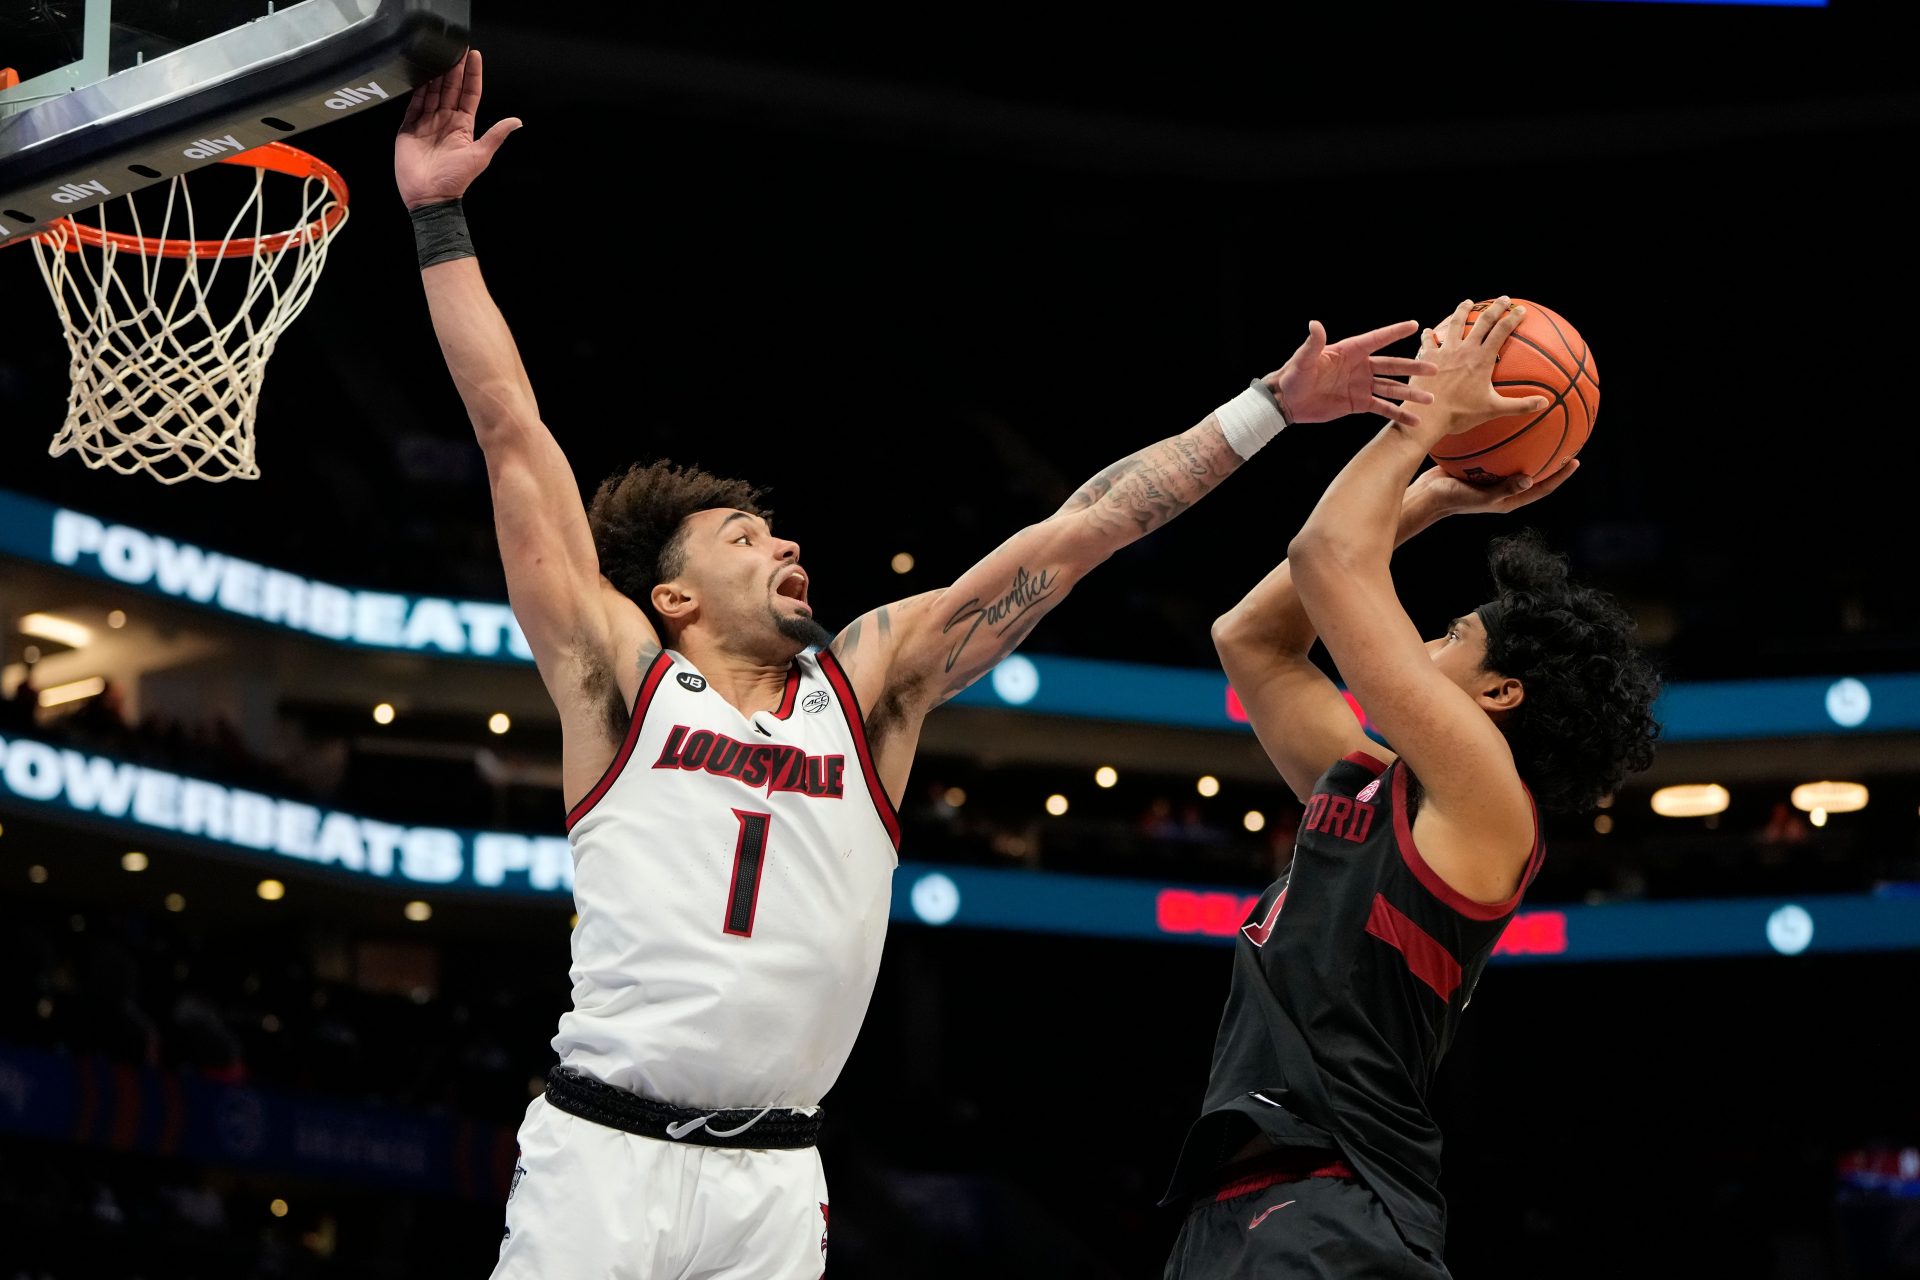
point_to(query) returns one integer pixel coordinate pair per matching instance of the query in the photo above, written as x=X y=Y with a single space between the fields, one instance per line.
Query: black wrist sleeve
x=440 y=233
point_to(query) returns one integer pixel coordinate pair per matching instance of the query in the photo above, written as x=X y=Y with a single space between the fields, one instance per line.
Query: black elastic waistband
x=777 y=1128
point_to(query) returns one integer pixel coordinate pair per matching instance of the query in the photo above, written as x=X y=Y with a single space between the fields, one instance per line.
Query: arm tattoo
x=1008 y=644
x=1121 y=504
x=848 y=640
x=1000 y=615
x=1143 y=491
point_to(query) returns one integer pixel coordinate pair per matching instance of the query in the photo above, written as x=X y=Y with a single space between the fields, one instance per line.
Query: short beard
x=802 y=629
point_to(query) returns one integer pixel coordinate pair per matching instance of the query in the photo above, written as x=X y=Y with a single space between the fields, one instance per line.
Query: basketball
x=1544 y=355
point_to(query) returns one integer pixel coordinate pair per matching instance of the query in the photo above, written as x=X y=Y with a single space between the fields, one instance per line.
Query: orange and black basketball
x=1544 y=355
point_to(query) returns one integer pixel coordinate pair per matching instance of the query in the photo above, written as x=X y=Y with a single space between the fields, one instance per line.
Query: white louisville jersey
x=733 y=877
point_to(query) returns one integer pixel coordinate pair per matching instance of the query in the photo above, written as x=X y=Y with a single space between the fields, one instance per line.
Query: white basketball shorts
x=593 y=1203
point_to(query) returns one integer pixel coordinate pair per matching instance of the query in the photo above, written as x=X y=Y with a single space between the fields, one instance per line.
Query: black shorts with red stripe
x=1294 y=1216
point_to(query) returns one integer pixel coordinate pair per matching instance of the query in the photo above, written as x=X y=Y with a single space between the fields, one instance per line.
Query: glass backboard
x=115 y=95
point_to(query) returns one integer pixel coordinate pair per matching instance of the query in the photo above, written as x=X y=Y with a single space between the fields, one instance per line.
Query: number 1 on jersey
x=743 y=895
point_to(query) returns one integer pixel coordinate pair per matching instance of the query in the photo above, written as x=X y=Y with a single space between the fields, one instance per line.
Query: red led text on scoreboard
x=1220 y=915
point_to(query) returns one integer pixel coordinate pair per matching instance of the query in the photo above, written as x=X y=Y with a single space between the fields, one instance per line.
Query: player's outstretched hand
x=1322 y=381
x=1463 y=351
x=436 y=155
x=1434 y=493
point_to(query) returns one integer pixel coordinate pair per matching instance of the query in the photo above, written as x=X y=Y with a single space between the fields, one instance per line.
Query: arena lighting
x=37 y=874
x=51 y=626
x=117 y=619
x=903 y=563
x=1208 y=785
x=1694 y=800
x=418 y=911
x=176 y=902
x=74 y=691
x=1834 y=797
x=1056 y=804
x=1254 y=821
x=1603 y=823
x=383 y=714
x=133 y=860
x=499 y=722
x=271 y=890
x=935 y=898
x=278 y=1208
x=1790 y=929
x=955 y=797
x=1106 y=775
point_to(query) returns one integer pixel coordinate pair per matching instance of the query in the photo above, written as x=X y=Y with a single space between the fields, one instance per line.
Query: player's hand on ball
x=1463 y=350
x=1434 y=491
x=1322 y=381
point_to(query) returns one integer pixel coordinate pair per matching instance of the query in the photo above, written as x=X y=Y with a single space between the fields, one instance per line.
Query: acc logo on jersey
x=692 y=681
x=816 y=701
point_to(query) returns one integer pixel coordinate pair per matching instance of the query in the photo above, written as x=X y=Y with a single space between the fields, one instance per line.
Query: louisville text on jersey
x=776 y=768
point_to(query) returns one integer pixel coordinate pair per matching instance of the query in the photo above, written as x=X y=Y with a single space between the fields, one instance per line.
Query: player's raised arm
x=569 y=615
x=1478 y=818
x=1299 y=716
x=909 y=657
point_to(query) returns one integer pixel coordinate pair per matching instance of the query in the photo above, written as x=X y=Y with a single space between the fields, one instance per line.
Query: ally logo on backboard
x=345 y=96
x=208 y=148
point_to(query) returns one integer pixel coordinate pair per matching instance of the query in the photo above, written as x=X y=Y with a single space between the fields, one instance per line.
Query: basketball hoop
x=165 y=380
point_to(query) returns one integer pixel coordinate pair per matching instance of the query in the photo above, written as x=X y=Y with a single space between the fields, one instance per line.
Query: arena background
x=922 y=273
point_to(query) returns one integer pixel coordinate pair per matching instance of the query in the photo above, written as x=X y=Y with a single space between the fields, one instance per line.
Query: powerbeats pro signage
x=375 y=619
x=1725 y=710
x=96 y=791
x=144 y=799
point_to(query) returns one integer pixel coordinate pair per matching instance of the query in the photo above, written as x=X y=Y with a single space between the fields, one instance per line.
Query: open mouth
x=793 y=586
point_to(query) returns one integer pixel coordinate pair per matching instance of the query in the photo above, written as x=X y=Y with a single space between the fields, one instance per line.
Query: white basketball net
x=162 y=383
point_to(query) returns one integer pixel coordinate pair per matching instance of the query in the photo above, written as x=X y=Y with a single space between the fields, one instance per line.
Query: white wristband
x=1250 y=419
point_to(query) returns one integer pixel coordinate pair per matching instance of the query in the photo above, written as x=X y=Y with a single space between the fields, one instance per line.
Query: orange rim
x=277 y=156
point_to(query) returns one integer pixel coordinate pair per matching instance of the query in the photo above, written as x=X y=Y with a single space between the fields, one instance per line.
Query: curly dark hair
x=1587 y=719
x=636 y=518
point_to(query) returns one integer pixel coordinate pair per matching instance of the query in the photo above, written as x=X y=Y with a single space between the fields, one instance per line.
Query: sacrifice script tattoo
x=1027 y=591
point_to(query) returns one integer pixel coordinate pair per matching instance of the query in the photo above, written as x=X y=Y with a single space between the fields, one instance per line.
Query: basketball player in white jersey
x=732 y=770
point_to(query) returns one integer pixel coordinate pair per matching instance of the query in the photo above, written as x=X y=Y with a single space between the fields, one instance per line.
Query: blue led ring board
x=169 y=94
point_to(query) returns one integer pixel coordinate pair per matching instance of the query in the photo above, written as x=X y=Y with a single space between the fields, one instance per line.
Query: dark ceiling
x=922 y=274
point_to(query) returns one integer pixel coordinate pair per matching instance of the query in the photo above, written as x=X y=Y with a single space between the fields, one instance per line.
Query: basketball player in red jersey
x=733 y=769
x=1315 y=1154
